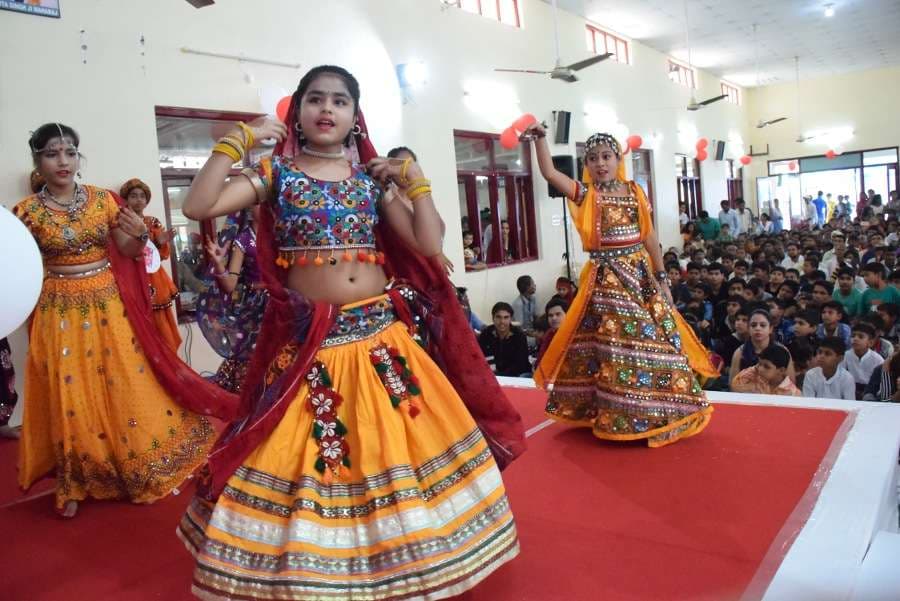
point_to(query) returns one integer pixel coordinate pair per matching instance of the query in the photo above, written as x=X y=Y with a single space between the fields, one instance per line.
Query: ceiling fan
x=562 y=72
x=761 y=124
x=693 y=105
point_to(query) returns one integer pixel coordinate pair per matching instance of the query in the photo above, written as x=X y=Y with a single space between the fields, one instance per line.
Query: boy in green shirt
x=847 y=294
x=878 y=292
x=709 y=227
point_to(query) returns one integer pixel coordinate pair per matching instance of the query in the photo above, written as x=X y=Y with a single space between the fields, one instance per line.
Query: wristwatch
x=662 y=277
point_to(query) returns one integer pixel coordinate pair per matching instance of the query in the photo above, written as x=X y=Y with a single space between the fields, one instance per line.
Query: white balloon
x=152 y=259
x=22 y=272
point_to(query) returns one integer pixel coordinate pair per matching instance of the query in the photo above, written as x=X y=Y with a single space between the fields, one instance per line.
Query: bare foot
x=10 y=432
x=69 y=510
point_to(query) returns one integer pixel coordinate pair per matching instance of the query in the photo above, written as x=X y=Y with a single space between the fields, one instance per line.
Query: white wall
x=865 y=101
x=111 y=98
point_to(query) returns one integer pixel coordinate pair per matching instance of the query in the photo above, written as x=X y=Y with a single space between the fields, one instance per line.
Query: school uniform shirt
x=839 y=386
x=843 y=331
x=787 y=263
x=861 y=368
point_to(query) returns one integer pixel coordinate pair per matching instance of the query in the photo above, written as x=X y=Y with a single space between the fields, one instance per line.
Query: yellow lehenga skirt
x=94 y=411
x=376 y=484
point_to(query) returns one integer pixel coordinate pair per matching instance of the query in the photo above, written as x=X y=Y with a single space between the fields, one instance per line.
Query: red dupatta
x=186 y=387
x=294 y=328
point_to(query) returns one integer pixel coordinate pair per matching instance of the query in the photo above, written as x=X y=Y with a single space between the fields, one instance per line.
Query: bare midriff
x=340 y=284
x=76 y=269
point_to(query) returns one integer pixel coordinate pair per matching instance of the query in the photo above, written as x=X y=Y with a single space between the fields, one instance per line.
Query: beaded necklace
x=73 y=213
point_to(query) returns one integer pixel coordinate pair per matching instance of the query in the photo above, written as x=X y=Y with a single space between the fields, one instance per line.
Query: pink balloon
x=702 y=155
x=634 y=142
x=509 y=139
x=281 y=109
x=792 y=165
x=702 y=143
x=830 y=154
x=746 y=159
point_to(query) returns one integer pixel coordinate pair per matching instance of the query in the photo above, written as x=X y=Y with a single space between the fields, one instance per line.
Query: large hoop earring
x=357 y=130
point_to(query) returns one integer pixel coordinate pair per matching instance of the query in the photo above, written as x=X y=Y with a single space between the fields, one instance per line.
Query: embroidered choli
x=316 y=218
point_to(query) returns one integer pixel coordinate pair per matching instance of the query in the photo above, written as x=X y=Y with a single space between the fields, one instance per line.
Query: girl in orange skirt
x=162 y=289
x=357 y=472
x=94 y=410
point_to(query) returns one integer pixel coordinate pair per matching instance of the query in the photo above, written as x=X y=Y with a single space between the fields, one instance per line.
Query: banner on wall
x=42 y=8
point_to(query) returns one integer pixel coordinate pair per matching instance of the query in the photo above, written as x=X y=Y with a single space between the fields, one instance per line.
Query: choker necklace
x=612 y=186
x=322 y=155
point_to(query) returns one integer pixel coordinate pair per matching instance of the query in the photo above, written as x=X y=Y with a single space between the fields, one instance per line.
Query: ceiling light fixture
x=829 y=10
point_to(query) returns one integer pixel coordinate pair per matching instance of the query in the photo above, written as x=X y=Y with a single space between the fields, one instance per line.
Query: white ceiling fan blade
x=523 y=71
x=589 y=61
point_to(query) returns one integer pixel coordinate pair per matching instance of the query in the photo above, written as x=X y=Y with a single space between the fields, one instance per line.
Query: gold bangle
x=413 y=189
x=256 y=181
x=418 y=193
x=236 y=141
x=403 y=169
x=228 y=150
x=249 y=132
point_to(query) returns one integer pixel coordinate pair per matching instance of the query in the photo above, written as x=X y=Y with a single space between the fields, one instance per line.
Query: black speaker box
x=720 y=150
x=565 y=164
x=561 y=127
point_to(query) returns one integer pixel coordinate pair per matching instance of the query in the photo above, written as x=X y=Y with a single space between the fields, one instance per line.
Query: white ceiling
x=863 y=34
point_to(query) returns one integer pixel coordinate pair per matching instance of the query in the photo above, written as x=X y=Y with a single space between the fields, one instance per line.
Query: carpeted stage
x=724 y=515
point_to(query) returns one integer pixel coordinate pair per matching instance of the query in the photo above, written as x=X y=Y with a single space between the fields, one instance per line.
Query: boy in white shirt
x=861 y=360
x=829 y=380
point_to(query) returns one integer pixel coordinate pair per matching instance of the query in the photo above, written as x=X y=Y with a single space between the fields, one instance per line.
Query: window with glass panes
x=601 y=42
x=687 y=182
x=682 y=74
x=732 y=93
x=495 y=195
x=504 y=11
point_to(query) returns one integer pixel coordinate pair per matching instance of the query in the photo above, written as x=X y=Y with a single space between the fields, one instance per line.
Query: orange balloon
x=509 y=139
x=702 y=155
x=830 y=154
x=635 y=141
x=702 y=143
x=746 y=159
x=522 y=123
x=281 y=109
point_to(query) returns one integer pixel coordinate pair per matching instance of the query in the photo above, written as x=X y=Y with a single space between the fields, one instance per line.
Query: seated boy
x=860 y=360
x=832 y=314
x=769 y=376
x=829 y=380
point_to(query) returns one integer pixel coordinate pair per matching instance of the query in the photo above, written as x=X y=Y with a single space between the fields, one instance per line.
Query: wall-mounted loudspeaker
x=720 y=150
x=561 y=122
x=563 y=163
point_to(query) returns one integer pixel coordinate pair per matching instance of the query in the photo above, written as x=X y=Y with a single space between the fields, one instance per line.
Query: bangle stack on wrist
x=233 y=146
x=418 y=188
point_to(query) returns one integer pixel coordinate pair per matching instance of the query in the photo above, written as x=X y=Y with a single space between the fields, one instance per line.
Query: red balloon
x=830 y=154
x=702 y=155
x=746 y=159
x=634 y=142
x=792 y=166
x=702 y=143
x=281 y=109
x=509 y=139
x=522 y=123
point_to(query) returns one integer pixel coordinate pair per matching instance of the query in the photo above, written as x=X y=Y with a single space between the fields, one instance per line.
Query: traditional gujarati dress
x=622 y=361
x=162 y=289
x=94 y=411
x=374 y=482
x=230 y=321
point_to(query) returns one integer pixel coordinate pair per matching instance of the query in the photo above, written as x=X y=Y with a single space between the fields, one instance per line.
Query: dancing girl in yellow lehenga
x=94 y=412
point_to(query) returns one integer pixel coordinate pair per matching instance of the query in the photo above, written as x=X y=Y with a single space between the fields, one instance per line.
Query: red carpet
x=691 y=521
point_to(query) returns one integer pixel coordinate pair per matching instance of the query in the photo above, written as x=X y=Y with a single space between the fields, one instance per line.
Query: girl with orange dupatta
x=100 y=385
x=358 y=472
x=623 y=361
x=162 y=289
